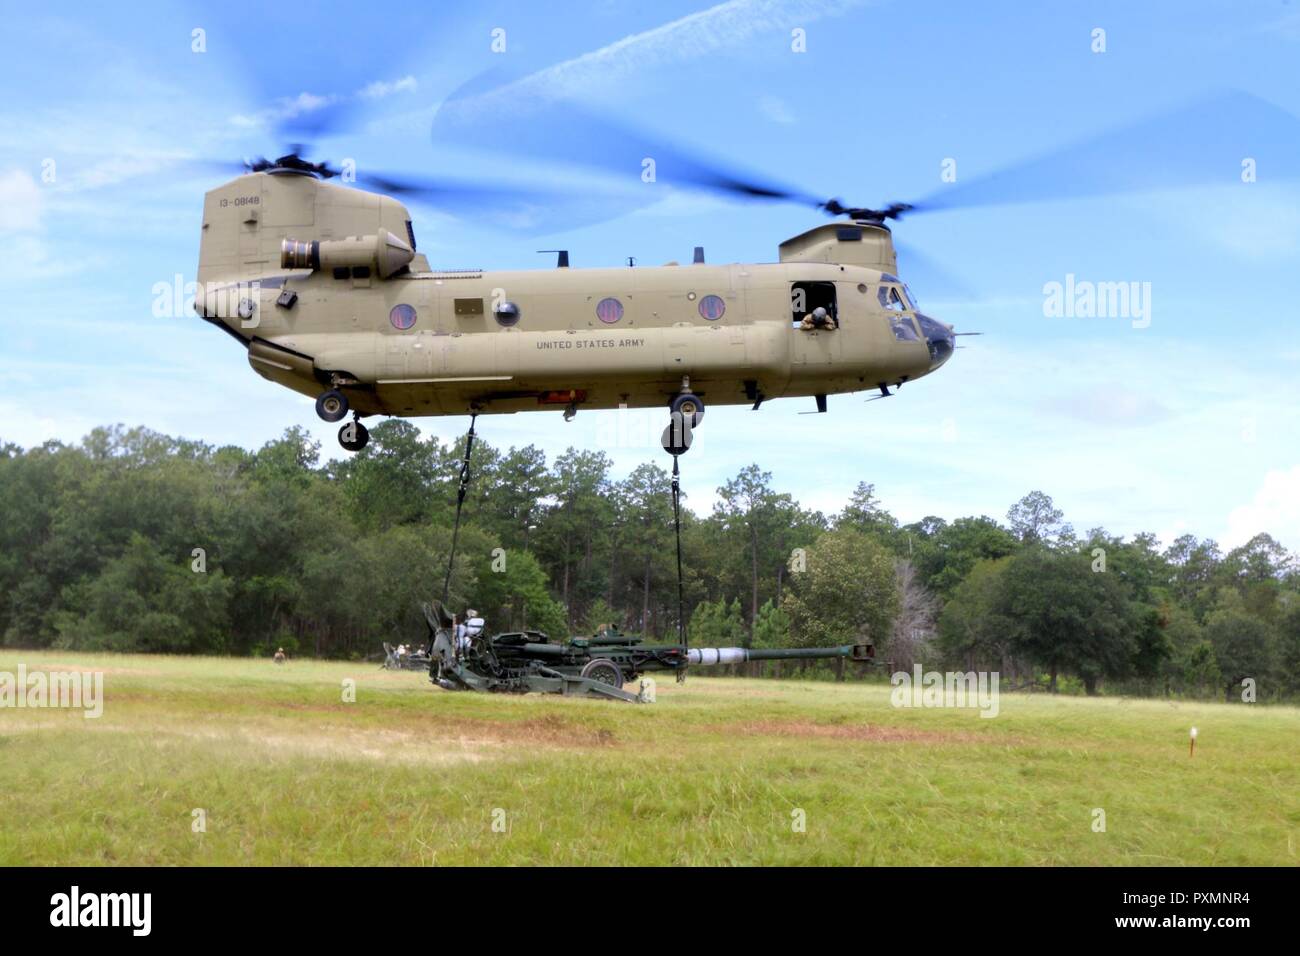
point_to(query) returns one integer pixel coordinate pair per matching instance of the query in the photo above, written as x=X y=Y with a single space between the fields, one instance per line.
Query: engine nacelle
x=384 y=253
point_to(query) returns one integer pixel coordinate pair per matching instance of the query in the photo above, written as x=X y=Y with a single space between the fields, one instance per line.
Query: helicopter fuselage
x=295 y=268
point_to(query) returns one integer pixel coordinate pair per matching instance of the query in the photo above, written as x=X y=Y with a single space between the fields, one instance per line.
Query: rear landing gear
x=354 y=436
x=686 y=411
x=332 y=405
x=689 y=405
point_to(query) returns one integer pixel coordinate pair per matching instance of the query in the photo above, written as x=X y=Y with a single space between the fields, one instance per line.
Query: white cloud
x=1274 y=509
x=379 y=88
x=20 y=202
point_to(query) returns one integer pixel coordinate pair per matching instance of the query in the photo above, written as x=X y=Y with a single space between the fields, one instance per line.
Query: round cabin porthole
x=402 y=317
x=507 y=314
x=712 y=307
x=609 y=310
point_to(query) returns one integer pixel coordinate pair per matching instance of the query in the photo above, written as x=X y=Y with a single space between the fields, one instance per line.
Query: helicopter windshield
x=901 y=326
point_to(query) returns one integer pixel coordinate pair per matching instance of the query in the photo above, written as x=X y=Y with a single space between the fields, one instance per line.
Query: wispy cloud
x=691 y=37
x=380 y=89
x=775 y=109
x=307 y=103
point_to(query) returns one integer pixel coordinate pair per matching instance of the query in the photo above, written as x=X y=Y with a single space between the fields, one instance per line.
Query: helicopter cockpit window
x=903 y=329
x=911 y=297
x=889 y=298
x=812 y=305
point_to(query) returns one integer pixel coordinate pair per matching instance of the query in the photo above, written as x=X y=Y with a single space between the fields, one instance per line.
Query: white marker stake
x=1191 y=750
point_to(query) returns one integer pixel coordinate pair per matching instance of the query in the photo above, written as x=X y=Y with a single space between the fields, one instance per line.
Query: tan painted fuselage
x=429 y=342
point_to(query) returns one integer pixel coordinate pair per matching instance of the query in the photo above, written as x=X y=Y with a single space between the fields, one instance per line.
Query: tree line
x=136 y=541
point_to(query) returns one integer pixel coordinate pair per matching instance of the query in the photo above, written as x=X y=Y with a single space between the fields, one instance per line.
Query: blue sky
x=1186 y=425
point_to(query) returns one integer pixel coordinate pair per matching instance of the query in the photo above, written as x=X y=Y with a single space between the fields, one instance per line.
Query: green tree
x=847 y=593
x=1244 y=647
x=772 y=628
x=973 y=631
x=717 y=624
x=865 y=513
x=756 y=520
x=520 y=483
x=1035 y=519
x=389 y=482
x=949 y=552
x=1066 y=617
x=511 y=590
x=647 y=539
x=574 y=529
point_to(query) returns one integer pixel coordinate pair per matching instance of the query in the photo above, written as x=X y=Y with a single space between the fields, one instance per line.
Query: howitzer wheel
x=605 y=671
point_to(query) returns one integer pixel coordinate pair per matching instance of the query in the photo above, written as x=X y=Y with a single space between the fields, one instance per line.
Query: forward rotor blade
x=927 y=278
x=519 y=121
x=1205 y=142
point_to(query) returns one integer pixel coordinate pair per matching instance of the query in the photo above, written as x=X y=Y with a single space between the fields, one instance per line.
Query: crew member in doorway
x=818 y=318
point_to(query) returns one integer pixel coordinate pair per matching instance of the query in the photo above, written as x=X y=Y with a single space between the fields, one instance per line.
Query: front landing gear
x=354 y=436
x=332 y=405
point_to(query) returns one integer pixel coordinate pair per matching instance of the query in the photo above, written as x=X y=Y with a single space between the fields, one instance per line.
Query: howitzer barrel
x=543 y=650
x=739 y=655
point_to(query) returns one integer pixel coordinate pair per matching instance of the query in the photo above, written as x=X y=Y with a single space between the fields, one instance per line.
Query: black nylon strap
x=455 y=529
x=677 y=528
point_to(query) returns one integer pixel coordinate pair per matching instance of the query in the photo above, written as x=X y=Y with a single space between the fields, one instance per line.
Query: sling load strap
x=455 y=528
x=677 y=529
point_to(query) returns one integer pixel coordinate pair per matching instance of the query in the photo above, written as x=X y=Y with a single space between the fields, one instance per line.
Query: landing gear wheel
x=332 y=405
x=353 y=436
x=604 y=670
x=690 y=406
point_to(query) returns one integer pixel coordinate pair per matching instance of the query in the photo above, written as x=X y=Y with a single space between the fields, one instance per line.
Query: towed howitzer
x=521 y=662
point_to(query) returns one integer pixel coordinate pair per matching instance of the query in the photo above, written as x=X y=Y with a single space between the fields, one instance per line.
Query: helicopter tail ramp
x=246 y=221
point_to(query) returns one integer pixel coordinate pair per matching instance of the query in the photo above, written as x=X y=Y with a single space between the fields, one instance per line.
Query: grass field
x=286 y=772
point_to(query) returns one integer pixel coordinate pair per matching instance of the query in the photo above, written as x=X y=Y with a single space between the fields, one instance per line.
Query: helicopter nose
x=939 y=337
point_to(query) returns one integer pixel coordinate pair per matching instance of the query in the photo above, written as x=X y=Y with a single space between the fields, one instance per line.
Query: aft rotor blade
x=528 y=210
x=1213 y=140
x=304 y=123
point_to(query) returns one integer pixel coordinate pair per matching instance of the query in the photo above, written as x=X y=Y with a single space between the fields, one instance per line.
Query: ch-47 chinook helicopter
x=323 y=284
